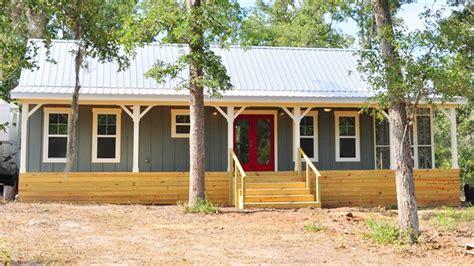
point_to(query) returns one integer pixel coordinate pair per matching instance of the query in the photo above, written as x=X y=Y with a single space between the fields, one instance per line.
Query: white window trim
x=314 y=114
x=355 y=114
x=46 y=112
x=107 y=111
x=174 y=113
x=415 y=145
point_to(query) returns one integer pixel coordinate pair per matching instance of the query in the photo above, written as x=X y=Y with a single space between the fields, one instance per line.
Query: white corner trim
x=118 y=130
x=174 y=113
x=46 y=112
x=355 y=114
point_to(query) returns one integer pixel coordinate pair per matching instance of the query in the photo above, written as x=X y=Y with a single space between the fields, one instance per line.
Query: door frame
x=275 y=129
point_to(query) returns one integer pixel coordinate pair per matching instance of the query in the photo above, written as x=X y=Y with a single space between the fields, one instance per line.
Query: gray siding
x=160 y=152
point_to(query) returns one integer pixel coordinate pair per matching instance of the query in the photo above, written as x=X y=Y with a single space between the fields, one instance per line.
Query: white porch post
x=230 y=132
x=454 y=139
x=24 y=135
x=136 y=136
x=296 y=133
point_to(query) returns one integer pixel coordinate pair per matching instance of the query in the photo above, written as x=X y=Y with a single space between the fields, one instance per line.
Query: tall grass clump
x=200 y=206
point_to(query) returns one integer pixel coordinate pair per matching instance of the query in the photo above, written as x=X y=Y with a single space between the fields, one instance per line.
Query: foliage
x=294 y=23
x=382 y=232
x=168 y=21
x=314 y=227
x=200 y=206
x=435 y=62
x=5 y=256
x=450 y=218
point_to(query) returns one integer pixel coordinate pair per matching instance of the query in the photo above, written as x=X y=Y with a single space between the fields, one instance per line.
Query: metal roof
x=267 y=73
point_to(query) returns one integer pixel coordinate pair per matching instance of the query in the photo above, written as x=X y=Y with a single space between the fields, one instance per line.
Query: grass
x=201 y=206
x=314 y=227
x=382 y=232
x=450 y=218
x=5 y=257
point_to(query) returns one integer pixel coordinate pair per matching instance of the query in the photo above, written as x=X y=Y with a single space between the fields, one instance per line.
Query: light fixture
x=327 y=110
x=281 y=113
x=214 y=113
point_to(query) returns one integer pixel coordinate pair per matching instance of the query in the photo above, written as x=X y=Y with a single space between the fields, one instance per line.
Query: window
x=309 y=135
x=106 y=135
x=55 y=134
x=424 y=149
x=347 y=137
x=382 y=144
x=180 y=123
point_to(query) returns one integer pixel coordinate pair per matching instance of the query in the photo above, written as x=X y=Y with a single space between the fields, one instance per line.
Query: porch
x=357 y=188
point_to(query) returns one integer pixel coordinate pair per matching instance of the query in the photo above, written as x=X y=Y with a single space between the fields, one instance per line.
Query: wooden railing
x=237 y=174
x=309 y=165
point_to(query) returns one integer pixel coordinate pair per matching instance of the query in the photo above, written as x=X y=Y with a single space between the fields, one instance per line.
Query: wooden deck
x=265 y=189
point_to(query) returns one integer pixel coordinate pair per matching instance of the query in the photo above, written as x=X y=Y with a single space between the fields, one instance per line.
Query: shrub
x=382 y=232
x=314 y=227
x=201 y=206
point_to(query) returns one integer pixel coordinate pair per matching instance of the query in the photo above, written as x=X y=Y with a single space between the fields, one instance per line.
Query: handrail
x=309 y=163
x=236 y=169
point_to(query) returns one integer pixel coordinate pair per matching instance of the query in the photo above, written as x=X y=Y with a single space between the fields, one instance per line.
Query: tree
x=299 y=23
x=196 y=24
x=95 y=26
x=404 y=70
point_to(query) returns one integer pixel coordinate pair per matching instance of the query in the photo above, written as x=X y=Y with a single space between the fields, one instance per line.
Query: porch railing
x=237 y=174
x=309 y=165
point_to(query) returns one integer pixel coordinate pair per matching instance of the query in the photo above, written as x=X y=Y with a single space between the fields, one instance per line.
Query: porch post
x=296 y=133
x=24 y=135
x=230 y=133
x=454 y=139
x=136 y=136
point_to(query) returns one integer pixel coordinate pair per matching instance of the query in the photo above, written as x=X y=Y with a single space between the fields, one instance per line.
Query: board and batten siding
x=159 y=152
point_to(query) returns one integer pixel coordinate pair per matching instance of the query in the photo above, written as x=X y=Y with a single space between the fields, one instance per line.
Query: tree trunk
x=196 y=134
x=407 y=209
x=74 y=116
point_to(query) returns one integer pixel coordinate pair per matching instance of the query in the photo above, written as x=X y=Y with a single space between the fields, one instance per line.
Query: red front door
x=254 y=142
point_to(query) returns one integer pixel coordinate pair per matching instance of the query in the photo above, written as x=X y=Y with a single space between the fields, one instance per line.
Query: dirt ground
x=135 y=234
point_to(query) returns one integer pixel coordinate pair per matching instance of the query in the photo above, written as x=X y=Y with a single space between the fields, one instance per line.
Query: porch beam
x=38 y=106
x=24 y=135
x=125 y=108
x=288 y=113
x=142 y=114
x=239 y=112
x=454 y=139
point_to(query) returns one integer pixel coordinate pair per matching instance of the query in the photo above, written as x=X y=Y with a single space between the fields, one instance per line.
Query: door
x=254 y=142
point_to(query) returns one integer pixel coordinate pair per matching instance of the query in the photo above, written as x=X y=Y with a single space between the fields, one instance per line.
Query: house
x=290 y=134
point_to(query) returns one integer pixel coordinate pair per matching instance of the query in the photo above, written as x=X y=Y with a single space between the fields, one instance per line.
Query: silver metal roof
x=266 y=73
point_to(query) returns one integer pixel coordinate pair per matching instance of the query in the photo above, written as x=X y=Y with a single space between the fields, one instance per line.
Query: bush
x=201 y=206
x=382 y=232
x=314 y=227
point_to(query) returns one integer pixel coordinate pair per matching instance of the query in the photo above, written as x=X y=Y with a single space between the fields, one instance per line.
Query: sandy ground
x=135 y=234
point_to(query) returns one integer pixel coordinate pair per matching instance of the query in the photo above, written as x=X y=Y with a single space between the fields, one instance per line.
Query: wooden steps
x=281 y=190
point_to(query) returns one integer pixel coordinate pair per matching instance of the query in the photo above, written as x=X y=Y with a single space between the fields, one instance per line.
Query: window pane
x=101 y=129
x=347 y=126
x=242 y=143
x=111 y=130
x=183 y=129
x=382 y=133
x=53 y=118
x=57 y=147
x=307 y=126
x=62 y=129
x=182 y=119
x=53 y=129
x=263 y=141
x=347 y=148
x=382 y=157
x=307 y=144
x=111 y=119
x=62 y=118
x=102 y=119
x=105 y=148
x=424 y=157
x=57 y=124
x=423 y=130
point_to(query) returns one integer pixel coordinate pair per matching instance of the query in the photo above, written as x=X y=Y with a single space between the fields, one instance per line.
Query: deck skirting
x=356 y=188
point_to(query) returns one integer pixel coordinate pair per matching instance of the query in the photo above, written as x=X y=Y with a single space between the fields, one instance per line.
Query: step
x=283 y=205
x=277 y=191
x=275 y=185
x=264 y=179
x=279 y=198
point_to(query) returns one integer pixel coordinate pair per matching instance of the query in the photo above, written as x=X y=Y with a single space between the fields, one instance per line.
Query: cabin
x=290 y=133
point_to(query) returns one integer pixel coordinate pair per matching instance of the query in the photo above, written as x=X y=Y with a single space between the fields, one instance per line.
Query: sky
x=409 y=13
